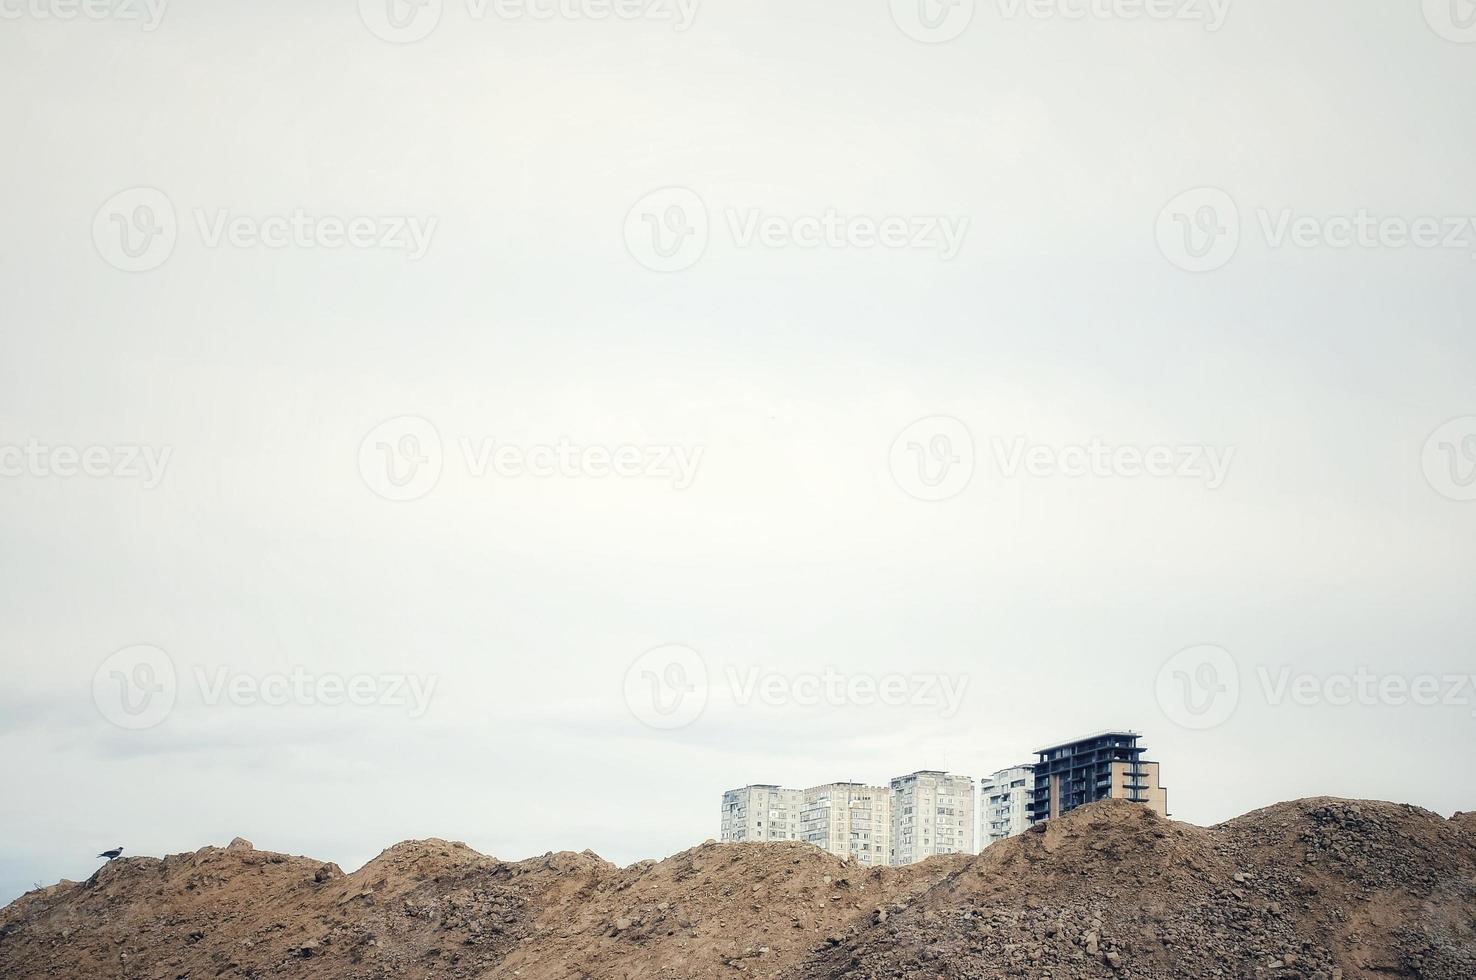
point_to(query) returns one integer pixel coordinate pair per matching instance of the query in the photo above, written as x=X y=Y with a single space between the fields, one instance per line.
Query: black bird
x=113 y=853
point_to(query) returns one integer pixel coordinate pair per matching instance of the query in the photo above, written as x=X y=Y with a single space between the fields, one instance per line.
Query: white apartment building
x=1004 y=800
x=932 y=813
x=850 y=820
x=761 y=813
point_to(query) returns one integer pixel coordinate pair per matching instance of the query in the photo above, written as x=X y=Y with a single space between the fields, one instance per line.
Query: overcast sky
x=450 y=421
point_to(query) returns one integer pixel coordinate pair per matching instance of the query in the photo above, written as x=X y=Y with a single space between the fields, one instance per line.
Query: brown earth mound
x=1314 y=889
x=1318 y=888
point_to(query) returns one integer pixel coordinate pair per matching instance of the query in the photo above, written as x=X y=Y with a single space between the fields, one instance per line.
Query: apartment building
x=761 y=812
x=1100 y=766
x=932 y=813
x=850 y=820
x=1004 y=803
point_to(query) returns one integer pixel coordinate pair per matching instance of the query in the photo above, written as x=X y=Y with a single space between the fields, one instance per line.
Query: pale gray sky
x=774 y=388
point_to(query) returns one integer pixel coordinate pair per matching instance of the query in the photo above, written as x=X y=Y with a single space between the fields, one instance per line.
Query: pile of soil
x=1317 y=889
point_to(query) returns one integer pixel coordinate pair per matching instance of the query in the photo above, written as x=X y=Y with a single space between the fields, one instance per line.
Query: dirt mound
x=1112 y=890
x=1392 y=887
x=239 y=912
x=1466 y=822
x=714 y=909
x=1316 y=889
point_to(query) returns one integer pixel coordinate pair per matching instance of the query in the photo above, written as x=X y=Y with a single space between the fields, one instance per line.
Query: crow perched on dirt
x=113 y=853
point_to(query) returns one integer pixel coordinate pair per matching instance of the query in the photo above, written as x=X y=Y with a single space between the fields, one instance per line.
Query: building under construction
x=1101 y=766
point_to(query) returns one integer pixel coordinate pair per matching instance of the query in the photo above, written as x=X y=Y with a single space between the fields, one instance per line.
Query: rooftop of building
x=1126 y=733
x=1022 y=765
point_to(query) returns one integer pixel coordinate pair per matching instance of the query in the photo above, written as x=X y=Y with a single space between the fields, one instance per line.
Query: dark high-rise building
x=1102 y=766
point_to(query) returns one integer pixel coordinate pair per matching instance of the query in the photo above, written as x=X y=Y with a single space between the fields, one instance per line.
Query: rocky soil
x=1318 y=889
